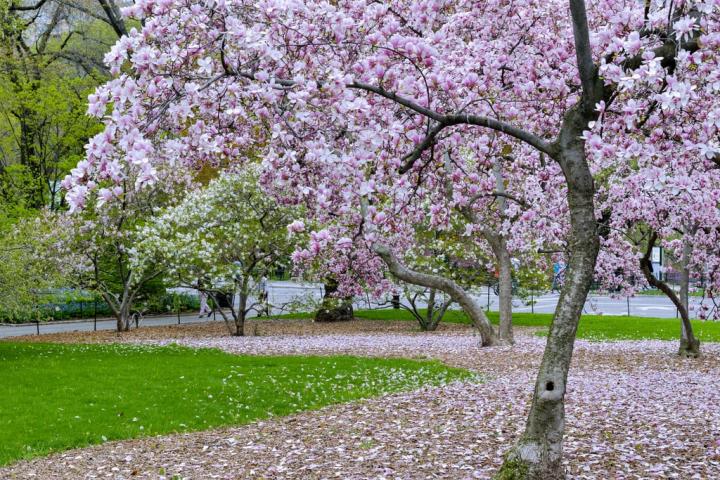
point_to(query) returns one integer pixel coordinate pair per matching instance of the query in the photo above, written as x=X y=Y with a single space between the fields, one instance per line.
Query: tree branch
x=647 y=269
x=455 y=291
x=583 y=52
x=114 y=16
x=20 y=8
x=509 y=196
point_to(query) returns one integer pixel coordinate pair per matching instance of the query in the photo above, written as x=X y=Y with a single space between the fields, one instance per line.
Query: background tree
x=221 y=240
x=24 y=271
x=51 y=55
x=93 y=247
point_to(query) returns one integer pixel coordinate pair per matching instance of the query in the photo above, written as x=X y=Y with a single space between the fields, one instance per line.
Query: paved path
x=283 y=293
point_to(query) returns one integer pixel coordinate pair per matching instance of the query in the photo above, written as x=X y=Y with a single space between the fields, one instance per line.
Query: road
x=641 y=305
x=288 y=296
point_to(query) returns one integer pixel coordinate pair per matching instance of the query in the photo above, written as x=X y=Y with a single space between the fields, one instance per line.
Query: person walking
x=558 y=273
x=204 y=306
x=263 y=296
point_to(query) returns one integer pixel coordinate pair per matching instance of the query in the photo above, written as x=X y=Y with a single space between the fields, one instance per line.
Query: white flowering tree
x=23 y=272
x=91 y=248
x=220 y=240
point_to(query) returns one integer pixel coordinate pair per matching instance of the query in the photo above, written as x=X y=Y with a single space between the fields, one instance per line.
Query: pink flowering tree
x=419 y=257
x=354 y=102
x=663 y=207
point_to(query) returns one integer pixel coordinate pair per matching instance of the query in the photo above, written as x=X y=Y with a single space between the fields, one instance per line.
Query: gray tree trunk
x=502 y=254
x=123 y=317
x=455 y=291
x=240 y=315
x=505 y=295
x=434 y=312
x=121 y=311
x=689 y=345
x=538 y=453
x=428 y=323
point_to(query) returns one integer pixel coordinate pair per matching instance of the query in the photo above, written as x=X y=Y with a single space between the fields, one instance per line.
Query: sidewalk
x=87 y=325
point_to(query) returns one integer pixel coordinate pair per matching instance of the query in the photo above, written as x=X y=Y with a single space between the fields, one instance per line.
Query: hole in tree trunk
x=549 y=386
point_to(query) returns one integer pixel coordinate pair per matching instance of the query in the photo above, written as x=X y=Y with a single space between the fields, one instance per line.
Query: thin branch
x=20 y=8
x=509 y=196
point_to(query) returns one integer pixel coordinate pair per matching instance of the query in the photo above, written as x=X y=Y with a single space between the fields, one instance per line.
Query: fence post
x=37 y=326
x=95 y=317
x=628 y=306
x=488 y=297
x=177 y=304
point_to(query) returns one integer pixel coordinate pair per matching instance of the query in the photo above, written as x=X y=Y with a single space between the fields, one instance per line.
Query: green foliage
x=532 y=279
x=66 y=306
x=46 y=75
x=449 y=253
x=23 y=273
x=57 y=397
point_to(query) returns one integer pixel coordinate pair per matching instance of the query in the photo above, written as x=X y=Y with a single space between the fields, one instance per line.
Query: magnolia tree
x=219 y=240
x=671 y=220
x=517 y=208
x=430 y=240
x=360 y=266
x=351 y=102
x=435 y=267
x=92 y=247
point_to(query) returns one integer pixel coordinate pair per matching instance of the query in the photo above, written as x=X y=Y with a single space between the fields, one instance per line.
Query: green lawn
x=658 y=293
x=56 y=397
x=592 y=327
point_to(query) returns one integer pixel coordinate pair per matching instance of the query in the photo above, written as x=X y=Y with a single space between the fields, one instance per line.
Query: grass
x=592 y=327
x=56 y=397
x=659 y=293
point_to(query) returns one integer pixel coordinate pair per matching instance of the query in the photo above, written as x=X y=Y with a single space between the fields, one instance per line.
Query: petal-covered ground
x=634 y=411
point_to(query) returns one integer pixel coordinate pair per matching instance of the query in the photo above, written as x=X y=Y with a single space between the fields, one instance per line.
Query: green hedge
x=67 y=307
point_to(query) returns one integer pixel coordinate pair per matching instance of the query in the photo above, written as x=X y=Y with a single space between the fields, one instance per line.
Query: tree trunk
x=240 y=315
x=457 y=293
x=333 y=309
x=505 y=295
x=427 y=324
x=502 y=254
x=538 y=453
x=438 y=315
x=689 y=345
x=123 y=318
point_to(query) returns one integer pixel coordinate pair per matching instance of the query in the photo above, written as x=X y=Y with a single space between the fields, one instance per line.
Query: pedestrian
x=262 y=296
x=558 y=272
x=204 y=306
